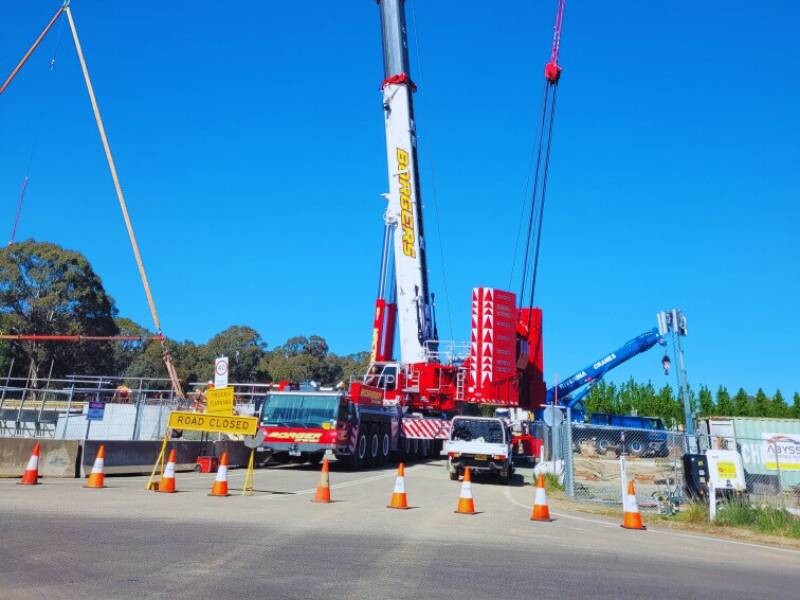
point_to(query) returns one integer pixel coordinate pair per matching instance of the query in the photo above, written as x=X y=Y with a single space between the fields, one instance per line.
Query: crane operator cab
x=382 y=375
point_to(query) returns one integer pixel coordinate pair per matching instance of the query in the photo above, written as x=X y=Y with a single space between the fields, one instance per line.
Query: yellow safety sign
x=216 y=423
x=726 y=470
x=219 y=401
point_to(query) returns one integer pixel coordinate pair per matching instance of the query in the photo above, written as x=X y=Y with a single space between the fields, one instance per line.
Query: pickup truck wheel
x=504 y=476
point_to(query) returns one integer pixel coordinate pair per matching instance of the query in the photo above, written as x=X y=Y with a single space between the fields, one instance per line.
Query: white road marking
x=691 y=536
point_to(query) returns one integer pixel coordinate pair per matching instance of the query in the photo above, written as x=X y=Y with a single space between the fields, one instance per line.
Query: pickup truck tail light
x=454 y=454
x=498 y=457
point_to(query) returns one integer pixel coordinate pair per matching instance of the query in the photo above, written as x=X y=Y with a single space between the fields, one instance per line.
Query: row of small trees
x=48 y=289
x=631 y=397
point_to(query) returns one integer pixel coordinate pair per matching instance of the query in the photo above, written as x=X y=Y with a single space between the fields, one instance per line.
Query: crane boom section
x=414 y=312
x=598 y=369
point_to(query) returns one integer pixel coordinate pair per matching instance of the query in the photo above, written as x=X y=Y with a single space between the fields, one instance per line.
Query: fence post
x=712 y=500
x=69 y=410
x=780 y=480
x=138 y=414
x=569 y=479
x=623 y=478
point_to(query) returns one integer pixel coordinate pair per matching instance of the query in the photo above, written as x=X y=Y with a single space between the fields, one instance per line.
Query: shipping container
x=768 y=446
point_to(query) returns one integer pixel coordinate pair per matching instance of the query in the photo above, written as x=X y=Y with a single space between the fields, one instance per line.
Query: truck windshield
x=300 y=410
x=468 y=430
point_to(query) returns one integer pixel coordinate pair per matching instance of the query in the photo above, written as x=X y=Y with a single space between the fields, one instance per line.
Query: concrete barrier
x=59 y=458
x=74 y=458
x=137 y=458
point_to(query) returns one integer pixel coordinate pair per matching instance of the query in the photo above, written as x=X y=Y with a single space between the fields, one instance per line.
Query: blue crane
x=590 y=375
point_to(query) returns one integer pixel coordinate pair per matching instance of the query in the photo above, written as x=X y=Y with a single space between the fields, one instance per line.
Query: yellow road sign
x=219 y=401
x=218 y=423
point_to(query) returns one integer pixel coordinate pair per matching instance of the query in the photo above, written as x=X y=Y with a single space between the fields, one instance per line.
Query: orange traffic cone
x=31 y=474
x=466 y=504
x=631 y=517
x=540 y=510
x=96 y=477
x=167 y=482
x=324 y=488
x=399 y=496
x=220 y=485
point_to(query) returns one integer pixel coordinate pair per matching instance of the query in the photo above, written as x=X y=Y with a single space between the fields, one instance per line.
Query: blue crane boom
x=596 y=371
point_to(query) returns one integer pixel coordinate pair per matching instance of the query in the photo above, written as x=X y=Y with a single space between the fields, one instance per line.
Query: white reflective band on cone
x=98 y=465
x=400 y=486
x=541 y=497
x=33 y=463
x=222 y=473
x=170 y=470
x=466 y=489
x=631 y=504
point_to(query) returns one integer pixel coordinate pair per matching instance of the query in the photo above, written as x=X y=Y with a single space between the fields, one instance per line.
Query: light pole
x=674 y=322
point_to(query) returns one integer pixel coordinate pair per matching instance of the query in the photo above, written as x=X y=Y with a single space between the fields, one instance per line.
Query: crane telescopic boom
x=404 y=210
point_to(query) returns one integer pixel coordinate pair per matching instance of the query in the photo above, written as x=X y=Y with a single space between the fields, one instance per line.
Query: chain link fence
x=599 y=460
x=135 y=409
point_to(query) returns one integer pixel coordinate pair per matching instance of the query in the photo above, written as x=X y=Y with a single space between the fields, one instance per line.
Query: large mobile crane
x=404 y=404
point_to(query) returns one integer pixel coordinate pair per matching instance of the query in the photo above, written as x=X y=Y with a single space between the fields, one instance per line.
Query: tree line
x=643 y=399
x=47 y=289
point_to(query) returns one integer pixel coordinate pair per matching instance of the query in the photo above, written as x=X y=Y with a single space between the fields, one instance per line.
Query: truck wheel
x=385 y=446
x=504 y=476
x=602 y=446
x=636 y=448
x=437 y=448
x=422 y=449
x=374 y=446
x=414 y=453
x=359 y=456
x=405 y=449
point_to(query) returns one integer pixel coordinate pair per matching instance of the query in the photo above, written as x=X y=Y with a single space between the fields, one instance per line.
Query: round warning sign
x=221 y=372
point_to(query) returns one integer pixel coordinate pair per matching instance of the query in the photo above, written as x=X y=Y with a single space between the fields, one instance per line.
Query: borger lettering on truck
x=406 y=204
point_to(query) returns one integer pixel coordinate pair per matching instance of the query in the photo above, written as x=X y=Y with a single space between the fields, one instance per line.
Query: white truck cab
x=481 y=443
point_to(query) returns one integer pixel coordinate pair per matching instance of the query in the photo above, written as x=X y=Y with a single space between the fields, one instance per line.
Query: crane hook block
x=552 y=72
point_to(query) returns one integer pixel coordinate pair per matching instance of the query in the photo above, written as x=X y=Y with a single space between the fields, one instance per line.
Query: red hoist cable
x=552 y=75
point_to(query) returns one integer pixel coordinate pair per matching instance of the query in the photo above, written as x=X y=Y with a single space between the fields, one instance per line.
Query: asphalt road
x=62 y=541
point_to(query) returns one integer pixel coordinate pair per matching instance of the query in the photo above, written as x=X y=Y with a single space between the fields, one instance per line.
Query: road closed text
x=218 y=423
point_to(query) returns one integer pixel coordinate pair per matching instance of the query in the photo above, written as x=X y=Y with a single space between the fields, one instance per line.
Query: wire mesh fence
x=135 y=409
x=599 y=460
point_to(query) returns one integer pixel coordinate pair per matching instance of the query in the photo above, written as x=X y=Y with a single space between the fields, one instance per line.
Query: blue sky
x=250 y=145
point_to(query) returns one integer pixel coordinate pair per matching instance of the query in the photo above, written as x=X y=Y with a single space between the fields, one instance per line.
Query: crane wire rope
x=434 y=193
x=64 y=8
x=123 y=205
x=34 y=143
x=552 y=72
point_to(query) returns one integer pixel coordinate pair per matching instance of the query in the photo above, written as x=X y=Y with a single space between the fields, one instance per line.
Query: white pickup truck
x=481 y=443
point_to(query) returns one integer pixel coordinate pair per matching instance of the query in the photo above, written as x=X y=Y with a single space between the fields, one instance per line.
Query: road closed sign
x=213 y=423
x=221 y=372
